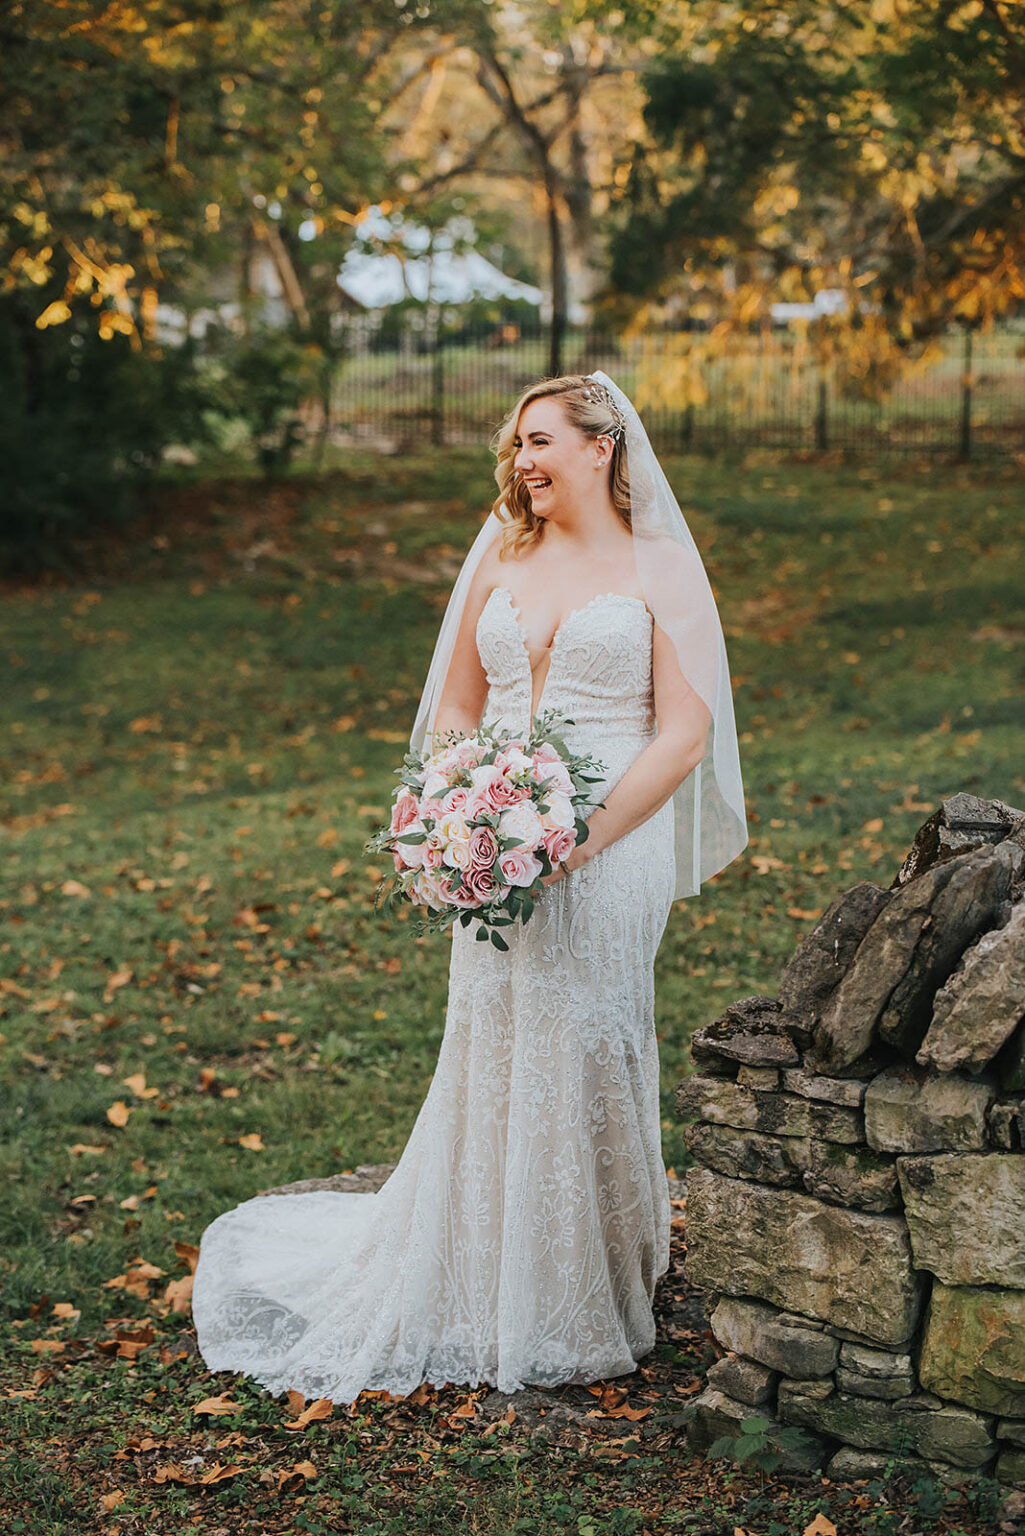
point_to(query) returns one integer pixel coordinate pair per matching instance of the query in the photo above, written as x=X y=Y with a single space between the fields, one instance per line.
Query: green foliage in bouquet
x=395 y=888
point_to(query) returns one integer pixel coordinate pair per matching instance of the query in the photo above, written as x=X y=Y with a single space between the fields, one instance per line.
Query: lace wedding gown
x=519 y=1238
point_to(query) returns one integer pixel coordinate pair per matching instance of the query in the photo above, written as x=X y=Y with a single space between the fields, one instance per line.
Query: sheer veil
x=709 y=818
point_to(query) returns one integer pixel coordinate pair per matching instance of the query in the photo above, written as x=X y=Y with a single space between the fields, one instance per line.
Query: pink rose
x=519 y=866
x=559 y=843
x=483 y=848
x=463 y=898
x=432 y=855
x=546 y=753
x=480 y=883
x=405 y=810
x=501 y=794
x=455 y=799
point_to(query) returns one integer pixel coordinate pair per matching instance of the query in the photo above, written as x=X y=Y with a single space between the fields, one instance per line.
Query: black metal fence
x=416 y=381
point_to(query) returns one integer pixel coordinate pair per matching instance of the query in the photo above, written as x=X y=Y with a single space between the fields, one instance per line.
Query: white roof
x=377 y=279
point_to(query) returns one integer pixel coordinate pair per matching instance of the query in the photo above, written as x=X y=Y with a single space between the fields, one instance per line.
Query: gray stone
x=748 y=1154
x=751 y=1032
x=915 y=1109
x=824 y=953
x=1006 y=1124
x=852 y=1176
x=744 y=1380
x=949 y=1434
x=851 y=1268
x=763 y=1079
x=828 y=1090
x=966 y=1216
x=973 y=1348
x=1010 y=1468
x=776 y=1114
x=963 y=821
x=881 y=1364
x=714 y=1414
x=753 y=1329
x=1013 y=1430
x=968 y=904
x=980 y=1005
x=872 y=1386
x=847 y=1026
x=821 y=1387
x=848 y=1465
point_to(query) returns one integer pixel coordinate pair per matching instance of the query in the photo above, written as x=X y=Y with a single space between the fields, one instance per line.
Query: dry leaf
x=215 y=1405
x=217 y=1473
x=291 y=1478
x=323 y=1408
x=820 y=1526
x=253 y=1141
x=75 y=888
x=187 y=1251
x=178 y=1294
x=118 y=1113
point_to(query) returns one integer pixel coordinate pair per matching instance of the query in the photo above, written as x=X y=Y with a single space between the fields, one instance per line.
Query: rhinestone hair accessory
x=599 y=395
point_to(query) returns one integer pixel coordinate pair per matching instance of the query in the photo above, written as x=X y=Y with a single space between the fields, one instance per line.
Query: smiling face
x=555 y=459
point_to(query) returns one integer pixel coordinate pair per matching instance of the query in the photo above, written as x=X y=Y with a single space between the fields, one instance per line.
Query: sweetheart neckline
x=550 y=649
x=627 y=597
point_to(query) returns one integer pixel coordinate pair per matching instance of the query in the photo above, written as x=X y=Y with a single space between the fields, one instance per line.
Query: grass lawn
x=197 y=1000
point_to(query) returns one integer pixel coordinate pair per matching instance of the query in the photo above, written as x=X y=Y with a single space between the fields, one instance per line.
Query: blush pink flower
x=483 y=848
x=480 y=883
x=404 y=811
x=519 y=867
x=559 y=843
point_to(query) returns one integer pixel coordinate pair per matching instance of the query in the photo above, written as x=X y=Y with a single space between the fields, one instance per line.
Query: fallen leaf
x=118 y=1113
x=217 y=1473
x=253 y=1141
x=75 y=888
x=178 y=1294
x=323 y=1408
x=291 y=1478
x=215 y=1405
x=820 y=1526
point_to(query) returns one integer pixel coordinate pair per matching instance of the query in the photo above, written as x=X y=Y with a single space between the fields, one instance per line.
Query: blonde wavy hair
x=591 y=417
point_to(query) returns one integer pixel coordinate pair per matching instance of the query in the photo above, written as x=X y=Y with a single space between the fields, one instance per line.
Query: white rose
x=560 y=811
x=455 y=839
x=521 y=821
x=435 y=785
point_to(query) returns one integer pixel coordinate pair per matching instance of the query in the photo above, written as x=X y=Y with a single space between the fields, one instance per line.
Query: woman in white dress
x=519 y=1238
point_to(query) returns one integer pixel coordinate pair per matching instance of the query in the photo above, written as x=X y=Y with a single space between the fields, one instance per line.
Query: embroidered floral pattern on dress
x=519 y=1238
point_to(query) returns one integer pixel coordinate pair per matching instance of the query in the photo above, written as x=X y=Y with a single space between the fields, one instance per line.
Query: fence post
x=437 y=388
x=966 y=396
x=821 y=416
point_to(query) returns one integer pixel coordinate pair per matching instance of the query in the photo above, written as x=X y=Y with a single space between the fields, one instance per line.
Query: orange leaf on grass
x=215 y=1405
x=323 y=1408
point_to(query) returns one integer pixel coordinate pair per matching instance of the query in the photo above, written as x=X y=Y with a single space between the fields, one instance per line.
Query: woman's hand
x=574 y=861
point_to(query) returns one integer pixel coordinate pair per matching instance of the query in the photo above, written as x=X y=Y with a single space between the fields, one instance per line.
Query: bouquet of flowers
x=478 y=823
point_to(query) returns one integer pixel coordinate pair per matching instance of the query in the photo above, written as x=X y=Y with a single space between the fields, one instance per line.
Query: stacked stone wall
x=857 y=1212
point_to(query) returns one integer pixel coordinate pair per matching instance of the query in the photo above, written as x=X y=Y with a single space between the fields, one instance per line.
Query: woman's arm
x=466 y=685
x=656 y=774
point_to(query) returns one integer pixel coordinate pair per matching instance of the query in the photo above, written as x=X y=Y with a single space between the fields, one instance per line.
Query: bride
x=520 y=1236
